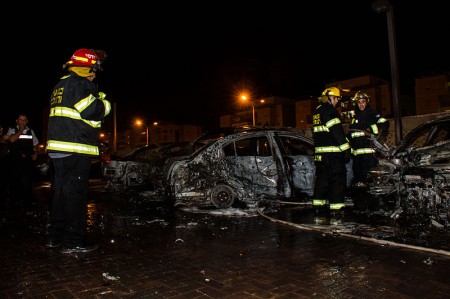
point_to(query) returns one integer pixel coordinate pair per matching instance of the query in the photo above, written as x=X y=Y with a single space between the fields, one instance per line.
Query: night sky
x=186 y=62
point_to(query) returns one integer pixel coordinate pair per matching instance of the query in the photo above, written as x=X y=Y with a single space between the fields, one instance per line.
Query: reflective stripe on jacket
x=24 y=145
x=366 y=120
x=329 y=135
x=76 y=114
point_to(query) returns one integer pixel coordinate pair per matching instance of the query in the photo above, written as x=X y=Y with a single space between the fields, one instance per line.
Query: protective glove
x=101 y=95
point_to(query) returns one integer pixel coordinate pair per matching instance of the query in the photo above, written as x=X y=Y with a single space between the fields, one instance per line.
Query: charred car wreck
x=244 y=167
x=412 y=179
x=142 y=168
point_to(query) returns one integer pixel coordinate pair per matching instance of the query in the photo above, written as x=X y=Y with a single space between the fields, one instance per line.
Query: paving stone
x=252 y=258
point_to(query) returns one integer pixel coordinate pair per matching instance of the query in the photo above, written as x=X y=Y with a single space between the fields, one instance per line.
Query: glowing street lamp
x=141 y=123
x=245 y=98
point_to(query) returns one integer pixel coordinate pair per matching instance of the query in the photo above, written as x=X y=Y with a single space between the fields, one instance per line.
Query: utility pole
x=384 y=6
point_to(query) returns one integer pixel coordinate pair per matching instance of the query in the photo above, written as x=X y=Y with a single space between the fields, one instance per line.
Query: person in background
x=77 y=110
x=332 y=151
x=364 y=122
x=4 y=152
x=22 y=142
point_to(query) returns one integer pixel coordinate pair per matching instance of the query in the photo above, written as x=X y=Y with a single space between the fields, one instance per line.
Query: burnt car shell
x=141 y=168
x=245 y=166
x=412 y=179
x=426 y=146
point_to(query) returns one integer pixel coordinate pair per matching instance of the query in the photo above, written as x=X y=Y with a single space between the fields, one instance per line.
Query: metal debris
x=108 y=276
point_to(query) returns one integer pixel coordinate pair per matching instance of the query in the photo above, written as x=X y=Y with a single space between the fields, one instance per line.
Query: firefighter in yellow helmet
x=77 y=110
x=332 y=151
x=365 y=121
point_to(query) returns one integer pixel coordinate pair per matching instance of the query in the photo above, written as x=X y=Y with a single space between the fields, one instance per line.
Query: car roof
x=225 y=131
x=153 y=147
x=433 y=122
x=211 y=137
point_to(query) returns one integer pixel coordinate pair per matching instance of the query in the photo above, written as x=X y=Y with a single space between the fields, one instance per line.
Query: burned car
x=412 y=179
x=141 y=168
x=244 y=166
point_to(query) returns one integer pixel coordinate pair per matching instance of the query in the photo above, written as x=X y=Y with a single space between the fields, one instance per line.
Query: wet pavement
x=150 y=250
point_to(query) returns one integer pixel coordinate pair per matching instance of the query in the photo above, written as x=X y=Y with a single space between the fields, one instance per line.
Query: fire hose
x=336 y=232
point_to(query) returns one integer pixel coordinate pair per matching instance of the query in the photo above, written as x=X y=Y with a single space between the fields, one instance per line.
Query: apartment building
x=431 y=99
x=432 y=93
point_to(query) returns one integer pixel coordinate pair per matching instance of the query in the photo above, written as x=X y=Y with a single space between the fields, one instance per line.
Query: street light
x=244 y=98
x=141 y=123
x=384 y=6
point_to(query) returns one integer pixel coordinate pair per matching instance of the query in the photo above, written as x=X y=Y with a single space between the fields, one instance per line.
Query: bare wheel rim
x=222 y=196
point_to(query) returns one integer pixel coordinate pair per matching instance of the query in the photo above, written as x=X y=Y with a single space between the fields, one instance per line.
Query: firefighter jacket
x=24 y=146
x=329 y=135
x=368 y=121
x=77 y=110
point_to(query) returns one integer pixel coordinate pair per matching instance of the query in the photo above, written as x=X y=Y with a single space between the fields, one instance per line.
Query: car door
x=299 y=155
x=253 y=164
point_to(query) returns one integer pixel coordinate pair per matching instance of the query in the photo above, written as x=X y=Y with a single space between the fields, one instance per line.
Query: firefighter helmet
x=87 y=58
x=330 y=91
x=361 y=95
x=83 y=58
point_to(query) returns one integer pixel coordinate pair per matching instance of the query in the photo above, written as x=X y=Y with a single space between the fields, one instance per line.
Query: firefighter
x=332 y=151
x=77 y=110
x=364 y=122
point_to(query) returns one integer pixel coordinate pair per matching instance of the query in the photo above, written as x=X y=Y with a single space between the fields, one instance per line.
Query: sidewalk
x=148 y=250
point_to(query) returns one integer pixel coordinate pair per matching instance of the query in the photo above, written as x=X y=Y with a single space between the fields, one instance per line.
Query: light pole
x=141 y=123
x=244 y=98
x=384 y=6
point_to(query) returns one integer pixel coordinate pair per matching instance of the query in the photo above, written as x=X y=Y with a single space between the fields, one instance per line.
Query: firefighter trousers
x=68 y=214
x=331 y=179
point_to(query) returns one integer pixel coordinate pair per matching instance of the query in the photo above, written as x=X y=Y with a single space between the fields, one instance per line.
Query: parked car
x=141 y=168
x=412 y=179
x=244 y=166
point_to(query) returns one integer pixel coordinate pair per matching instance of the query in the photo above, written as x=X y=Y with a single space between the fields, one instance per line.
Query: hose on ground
x=337 y=232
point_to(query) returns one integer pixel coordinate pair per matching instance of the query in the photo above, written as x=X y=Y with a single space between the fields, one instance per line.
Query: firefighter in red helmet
x=332 y=150
x=77 y=110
